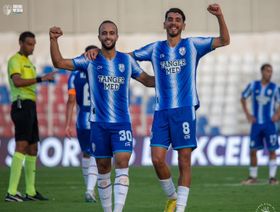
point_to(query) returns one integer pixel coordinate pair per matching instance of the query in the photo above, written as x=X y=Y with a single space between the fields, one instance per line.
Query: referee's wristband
x=39 y=79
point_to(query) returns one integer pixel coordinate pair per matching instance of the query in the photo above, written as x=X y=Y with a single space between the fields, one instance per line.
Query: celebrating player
x=109 y=75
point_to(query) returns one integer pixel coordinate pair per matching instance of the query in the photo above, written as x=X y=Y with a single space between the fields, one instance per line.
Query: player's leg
x=183 y=136
x=121 y=183
x=104 y=183
x=256 y=143
x=89 y=167
x=92 y=178
x=122 y=144
x=272 y=168
x=164 y=176
x=102 y=150
x=272 y=144
x=184 y=181
x=160 y=142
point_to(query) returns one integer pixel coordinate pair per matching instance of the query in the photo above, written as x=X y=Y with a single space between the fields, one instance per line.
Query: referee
x=23 y=80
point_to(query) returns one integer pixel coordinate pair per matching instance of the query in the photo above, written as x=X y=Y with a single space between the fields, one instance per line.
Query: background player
x=109 y=77
x=78 y=92
x=23 y=80
x=265 y=95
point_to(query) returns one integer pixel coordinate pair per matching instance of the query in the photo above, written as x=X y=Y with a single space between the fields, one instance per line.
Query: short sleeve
x=14 y=67
x=71 y=85
x=81 y=63
x=203 y=45
x=248 y=91
x=144 y=53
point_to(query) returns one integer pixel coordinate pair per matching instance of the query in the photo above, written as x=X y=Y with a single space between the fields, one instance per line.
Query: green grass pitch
x=213 y=189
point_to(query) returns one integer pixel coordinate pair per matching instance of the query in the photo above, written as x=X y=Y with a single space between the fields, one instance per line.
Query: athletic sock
x=169 y=188
x=15 y=172
x=120 y=188
x=253 y=171
x=85 y=165
x=30 y=172
x=183 y=193
x=105 y=191
x=272 y=168
x=92 y=175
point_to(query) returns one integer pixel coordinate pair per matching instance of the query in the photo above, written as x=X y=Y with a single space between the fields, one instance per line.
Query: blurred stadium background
x=221 y=125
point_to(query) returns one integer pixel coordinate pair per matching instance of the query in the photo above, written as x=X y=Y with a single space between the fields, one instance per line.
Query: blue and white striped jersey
x=264 y=99
x=175 y=70
x=78 y=86
x=109 y=85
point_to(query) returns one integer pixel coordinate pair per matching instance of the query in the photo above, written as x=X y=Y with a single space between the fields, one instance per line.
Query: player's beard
x=108 y=47
x=173 y=34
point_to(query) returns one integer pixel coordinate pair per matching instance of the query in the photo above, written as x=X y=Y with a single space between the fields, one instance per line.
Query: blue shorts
x=110 y=138
x=261 y=133
x=176 y=127
x=83 y=136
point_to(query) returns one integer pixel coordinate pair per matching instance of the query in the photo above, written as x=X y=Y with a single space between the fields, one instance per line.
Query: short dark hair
x=26 y=34
x=175 y=10
x=90 y=47
x=265 y=65
x=107 y=22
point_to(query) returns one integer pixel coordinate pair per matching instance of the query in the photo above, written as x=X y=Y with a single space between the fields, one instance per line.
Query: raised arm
x=57 y=59
x=224 y=38
x=146 y=79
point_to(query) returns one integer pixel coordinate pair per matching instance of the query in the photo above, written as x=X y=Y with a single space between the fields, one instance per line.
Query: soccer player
x=109 y=75
x=78 y=94
x=175 y=62
x=265 y=97
x=23 y=80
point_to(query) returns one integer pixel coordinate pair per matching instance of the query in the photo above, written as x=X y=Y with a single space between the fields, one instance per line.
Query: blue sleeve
x=135 y=68
x=144 y=53
x=71 y=79
x=248 y=91
x=80 y=63
x=203 y=45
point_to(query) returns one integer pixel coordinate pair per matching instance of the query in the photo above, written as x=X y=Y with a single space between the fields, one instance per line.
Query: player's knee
x=158 y=161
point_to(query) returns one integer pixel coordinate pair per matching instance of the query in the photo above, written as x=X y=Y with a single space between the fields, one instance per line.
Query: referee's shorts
x=24 y=116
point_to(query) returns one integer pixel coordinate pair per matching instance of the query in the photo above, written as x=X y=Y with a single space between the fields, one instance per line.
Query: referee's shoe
x=14 y=198
x=36 y=197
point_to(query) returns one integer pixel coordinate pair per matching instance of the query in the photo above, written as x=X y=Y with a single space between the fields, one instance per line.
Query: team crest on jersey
x=121 y=67
x=269 y=92
x=93 y=147
x=161 y=56
x=99 y=67
x=182 y=51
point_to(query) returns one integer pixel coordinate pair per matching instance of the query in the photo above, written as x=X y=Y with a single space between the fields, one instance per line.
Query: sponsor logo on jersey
x=172 y=67
x=112 y=83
